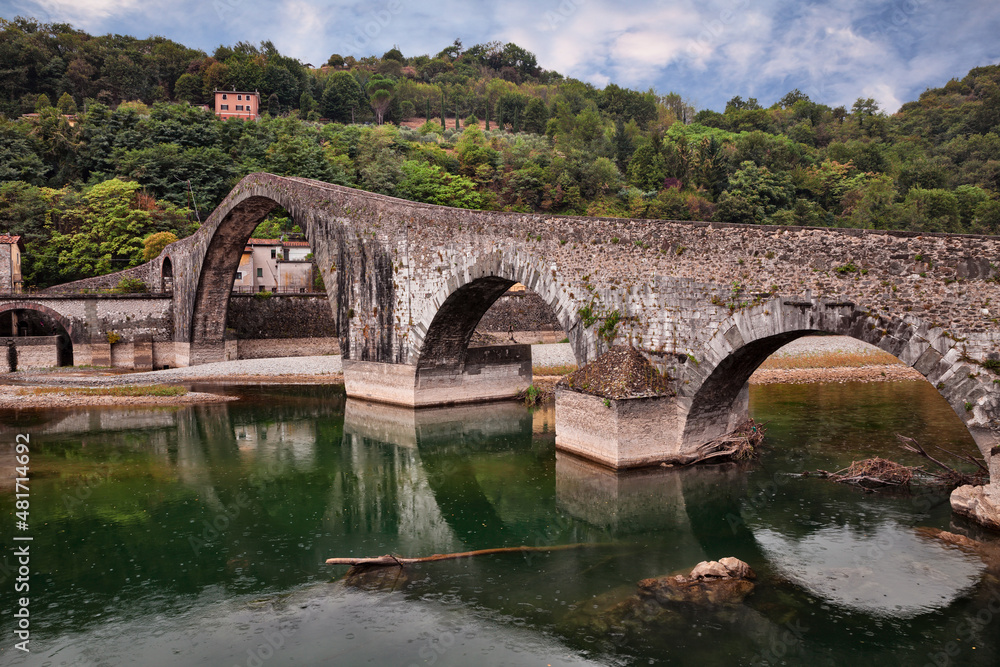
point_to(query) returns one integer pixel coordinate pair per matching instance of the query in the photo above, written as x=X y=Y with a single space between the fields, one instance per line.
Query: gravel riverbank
x=804 y=360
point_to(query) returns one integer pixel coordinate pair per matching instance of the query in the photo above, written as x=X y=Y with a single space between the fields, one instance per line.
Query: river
x=198 y=535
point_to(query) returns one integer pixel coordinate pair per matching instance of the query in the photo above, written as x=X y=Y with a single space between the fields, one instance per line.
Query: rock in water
x=708 y=568
x=737 y=568
x=979 y=503
x=726 y=581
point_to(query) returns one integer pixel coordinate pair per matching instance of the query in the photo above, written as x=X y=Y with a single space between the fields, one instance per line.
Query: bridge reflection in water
x=250 y=498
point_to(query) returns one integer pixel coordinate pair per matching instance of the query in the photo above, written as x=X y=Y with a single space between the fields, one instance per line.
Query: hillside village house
x=11 y=248
x=237 y=104
x=273 y=265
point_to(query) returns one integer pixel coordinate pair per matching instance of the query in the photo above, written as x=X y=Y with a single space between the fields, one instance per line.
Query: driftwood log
x=397 y=561
x=743 y=443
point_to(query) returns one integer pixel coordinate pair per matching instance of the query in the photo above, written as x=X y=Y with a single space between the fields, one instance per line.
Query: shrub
x=131 y=286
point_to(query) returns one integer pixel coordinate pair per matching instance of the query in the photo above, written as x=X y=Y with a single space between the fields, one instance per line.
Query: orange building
x=237 y=104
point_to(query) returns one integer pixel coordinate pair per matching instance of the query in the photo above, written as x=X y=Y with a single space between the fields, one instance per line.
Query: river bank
x=807 y=360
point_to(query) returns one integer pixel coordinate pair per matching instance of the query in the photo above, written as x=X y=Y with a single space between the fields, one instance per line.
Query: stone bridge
x=705 y=302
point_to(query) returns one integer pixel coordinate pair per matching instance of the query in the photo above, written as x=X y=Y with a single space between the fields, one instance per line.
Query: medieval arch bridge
x=706 y=302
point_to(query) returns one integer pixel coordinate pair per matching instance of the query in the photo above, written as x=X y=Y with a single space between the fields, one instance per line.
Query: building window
x=224 y=96
x=260 y=273
x=239 y=107
x=239 y=275
x=274 y=253
x=239 y=97
x=285 y=254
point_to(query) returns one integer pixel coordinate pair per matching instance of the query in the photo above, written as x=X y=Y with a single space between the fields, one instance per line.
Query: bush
x=131 y=286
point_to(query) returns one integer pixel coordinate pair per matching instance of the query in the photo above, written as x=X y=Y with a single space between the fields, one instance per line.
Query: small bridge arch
x=443 y=332
x=713 y=389
x=61 y=319
x=64 y=341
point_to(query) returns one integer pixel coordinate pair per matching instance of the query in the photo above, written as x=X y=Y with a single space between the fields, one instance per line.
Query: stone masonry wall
x=519 y=311
x=280 y=316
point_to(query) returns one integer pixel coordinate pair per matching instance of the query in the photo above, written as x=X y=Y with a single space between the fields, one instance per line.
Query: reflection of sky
x=888 y=571
x=318 y=625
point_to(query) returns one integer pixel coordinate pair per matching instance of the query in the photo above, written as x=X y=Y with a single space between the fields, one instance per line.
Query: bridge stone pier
x=705 y=302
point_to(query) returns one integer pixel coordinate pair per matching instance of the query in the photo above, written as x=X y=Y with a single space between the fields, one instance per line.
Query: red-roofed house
x=11 y=248
x=269 y=265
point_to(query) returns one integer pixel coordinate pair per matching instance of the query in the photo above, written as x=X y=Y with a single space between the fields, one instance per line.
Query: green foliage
x=575 y=149
x=608 y=330
x=155 y=243
x=104 y=231
x=131 y=286
x=754 y=193
x=341 y=98
x=430 y=184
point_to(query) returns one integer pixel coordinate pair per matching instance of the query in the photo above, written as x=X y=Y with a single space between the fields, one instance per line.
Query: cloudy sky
x=708 y=51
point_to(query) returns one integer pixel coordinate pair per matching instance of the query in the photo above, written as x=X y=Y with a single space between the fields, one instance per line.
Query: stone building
x=11 y=248
x=273 y=265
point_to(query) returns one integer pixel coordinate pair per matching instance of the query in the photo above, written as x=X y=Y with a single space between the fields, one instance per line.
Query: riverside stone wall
x=280 y=316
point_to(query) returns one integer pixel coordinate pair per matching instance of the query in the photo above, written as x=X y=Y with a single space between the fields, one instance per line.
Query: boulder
x=725 y=581
x=979 y=503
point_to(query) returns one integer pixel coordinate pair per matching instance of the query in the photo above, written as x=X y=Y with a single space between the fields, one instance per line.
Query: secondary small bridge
x=705 y=302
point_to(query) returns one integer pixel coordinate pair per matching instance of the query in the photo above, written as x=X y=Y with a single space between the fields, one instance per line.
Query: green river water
x=197 y=536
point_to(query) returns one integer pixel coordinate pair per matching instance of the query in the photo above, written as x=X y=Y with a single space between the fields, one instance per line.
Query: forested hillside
x=103 y=143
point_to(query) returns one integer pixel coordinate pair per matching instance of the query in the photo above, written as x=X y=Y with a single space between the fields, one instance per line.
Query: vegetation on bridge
x=118 y=148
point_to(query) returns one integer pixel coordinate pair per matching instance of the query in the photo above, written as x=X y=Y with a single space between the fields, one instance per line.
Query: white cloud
x=87 y=13
x=834 y=51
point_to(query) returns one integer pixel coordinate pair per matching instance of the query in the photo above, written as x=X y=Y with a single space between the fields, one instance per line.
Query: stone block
x=625 y=433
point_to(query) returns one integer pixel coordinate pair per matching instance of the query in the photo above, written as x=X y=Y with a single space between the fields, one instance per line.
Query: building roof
x=12 y=240
x=286 y=244
x=237 y=92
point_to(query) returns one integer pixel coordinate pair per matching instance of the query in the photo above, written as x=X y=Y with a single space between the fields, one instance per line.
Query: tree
x=304 y=157
x=155 y=243
x=273 y=105
x=66 y=105
x=380 y=100
x=394 y=54
x=341 y=97
x=108 y=230
x=791 y=97
x=19 y=159
x=536 y=116
x=754 y=194
x=429 y=183
x=188 y=88
x=737 y=104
